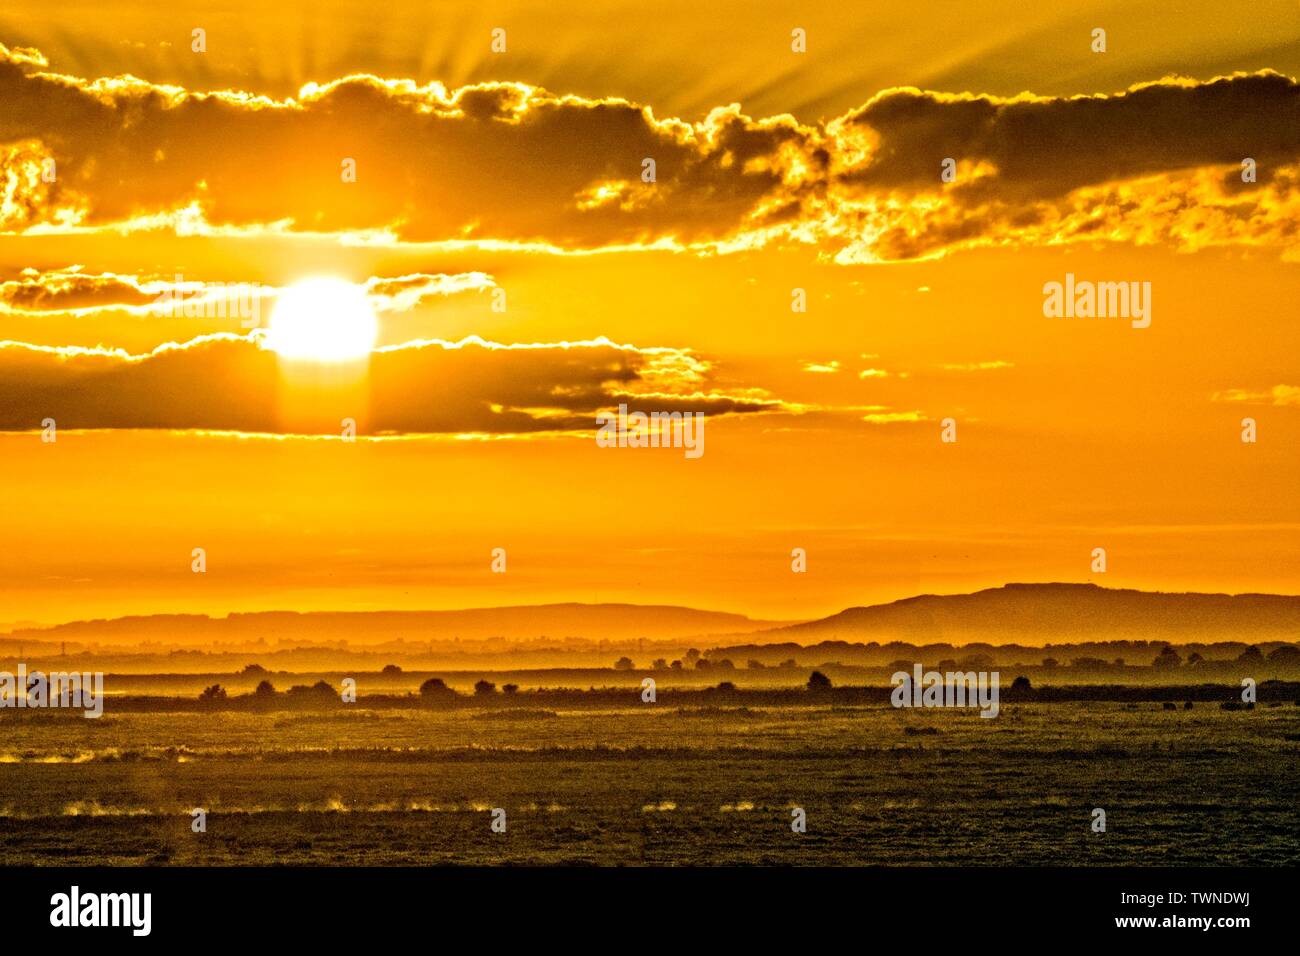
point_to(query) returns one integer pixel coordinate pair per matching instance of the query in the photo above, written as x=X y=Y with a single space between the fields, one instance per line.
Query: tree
x=1286 y=654
x=252 y=669
x=818 y=681
x=265 y=689
x=624 y=664
x=484 y=688
x=1194 y=658
x=1167 y=658
x=1088 y=663
x=1049 y=662
x=391 y=670
x=726 y=687
x=322 y=687
x=660 y=664
x=1250 y=655
x=1021 y=683
x=212 y=694
x=509 y=688
x=754 y=665
x=692 y=656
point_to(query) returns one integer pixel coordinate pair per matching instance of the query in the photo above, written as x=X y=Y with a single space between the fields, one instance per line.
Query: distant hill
x=593 y=622
x=1037 y=614
x=1032 y=615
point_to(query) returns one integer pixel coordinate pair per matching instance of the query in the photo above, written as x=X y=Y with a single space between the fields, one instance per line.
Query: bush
x=818 y=681
x=214 y=693
x=265 y=689
x=436 y=687
x=484 y=688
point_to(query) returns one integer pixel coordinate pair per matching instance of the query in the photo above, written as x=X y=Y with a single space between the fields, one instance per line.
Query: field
x=655 y=785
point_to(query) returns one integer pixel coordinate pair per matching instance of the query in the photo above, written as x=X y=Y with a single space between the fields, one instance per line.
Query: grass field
x=655 y=785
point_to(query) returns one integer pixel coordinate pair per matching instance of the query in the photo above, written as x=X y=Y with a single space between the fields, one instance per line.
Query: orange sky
x=519 y=174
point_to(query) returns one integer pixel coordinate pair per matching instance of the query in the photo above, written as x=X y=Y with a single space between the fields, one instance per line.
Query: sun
x=322 y=319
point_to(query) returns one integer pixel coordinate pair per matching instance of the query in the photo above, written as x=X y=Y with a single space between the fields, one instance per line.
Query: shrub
x=436 y=687
x=818 y=681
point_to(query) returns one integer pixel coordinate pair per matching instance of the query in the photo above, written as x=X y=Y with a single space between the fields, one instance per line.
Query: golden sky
x=524 y=278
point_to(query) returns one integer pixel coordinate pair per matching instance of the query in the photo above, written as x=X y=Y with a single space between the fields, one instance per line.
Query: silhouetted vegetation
x=436 y=688
x=434 y=692
x=1168 y=657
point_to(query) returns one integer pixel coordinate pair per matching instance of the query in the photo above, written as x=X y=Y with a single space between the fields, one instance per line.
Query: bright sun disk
x=323 y=319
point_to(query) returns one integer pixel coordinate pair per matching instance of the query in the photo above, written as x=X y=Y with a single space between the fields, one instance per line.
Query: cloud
x=511 y=163
x=494 y=160
x=1034 y=147
x=403 y=293
x=71 y=290
x=977 y=366
x=1280 y=395
x=229 y=382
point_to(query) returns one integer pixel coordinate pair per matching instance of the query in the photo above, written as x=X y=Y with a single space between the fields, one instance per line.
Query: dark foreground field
x=656 y=785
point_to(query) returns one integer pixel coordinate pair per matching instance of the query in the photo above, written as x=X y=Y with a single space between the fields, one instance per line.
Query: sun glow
x=324 y=320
